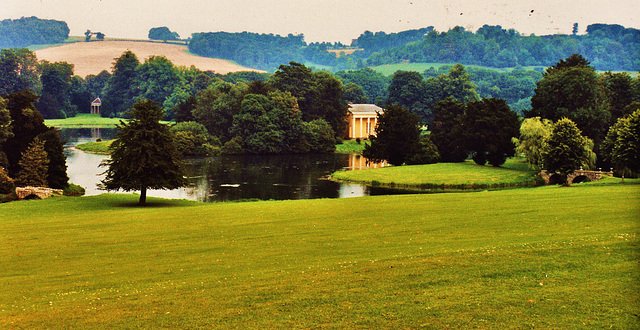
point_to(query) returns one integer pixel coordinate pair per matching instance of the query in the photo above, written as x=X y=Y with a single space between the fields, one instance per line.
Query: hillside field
x=548 y=257
x=93 y=57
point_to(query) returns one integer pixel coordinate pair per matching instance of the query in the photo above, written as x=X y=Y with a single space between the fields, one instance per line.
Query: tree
x=532 y=142
x=122 y=87
x=157 y=79
x=5 y=130
x=54 y=103
x=330 y=105
x=19 y=71
x=144 y=155
x=353 y=93
x=622 y=145
x=397 y=136
x=162 y=33
x=407 y=89
x=26 y=124
x=489 y=127
x=33 y=166
x=446 y=130
x=567 y=150
x=57 y=170
x=572 y=89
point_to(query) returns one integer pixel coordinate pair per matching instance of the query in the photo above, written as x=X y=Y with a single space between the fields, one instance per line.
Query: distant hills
x=606 y=46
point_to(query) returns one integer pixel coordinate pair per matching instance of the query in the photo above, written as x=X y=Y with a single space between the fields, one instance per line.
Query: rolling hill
x=93 y=57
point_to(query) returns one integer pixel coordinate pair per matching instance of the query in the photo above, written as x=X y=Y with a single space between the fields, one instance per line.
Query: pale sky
x=322 y=20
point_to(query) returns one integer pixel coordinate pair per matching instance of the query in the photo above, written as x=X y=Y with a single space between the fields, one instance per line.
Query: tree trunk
x=143 y=195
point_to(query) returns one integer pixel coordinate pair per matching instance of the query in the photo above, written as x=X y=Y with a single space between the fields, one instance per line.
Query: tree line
x=28 y=31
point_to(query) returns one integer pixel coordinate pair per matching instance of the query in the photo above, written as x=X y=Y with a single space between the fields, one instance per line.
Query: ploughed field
x=93 y=57
x=547 y=257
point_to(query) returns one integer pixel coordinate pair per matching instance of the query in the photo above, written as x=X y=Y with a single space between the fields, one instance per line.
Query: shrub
x=233 y=146
x=73 y=190
x=7 y=184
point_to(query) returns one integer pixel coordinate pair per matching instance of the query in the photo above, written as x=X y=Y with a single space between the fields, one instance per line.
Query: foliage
x=532 y=141
x=567 y=150
x=352 y=93
x=122 y=87
x=56 y=78
x=57 y=169
x=73 y=190
x=447 y=130
x=7 y=184
x=19 y=70
x=162 y=33
x=97 y=83
x=26 y=124
x=144 y=154
x=407 y=89
x=27 y=31
x=622 y=145
x=374 y=84
x=572 y=89
x=319 y=136
x=33 y=166
x=612 y=48
x=380 y=41
x=397 y=136
x=262 y=51
x=216 y=106
x=488 y=129
x=5 y=122
x=157 y=79
x=192 y=139
x=426 y=152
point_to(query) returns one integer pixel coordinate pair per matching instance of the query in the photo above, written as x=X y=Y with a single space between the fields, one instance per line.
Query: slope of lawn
x=101 y=147
x=446 y=175
x=84 y=120
x=546 y=257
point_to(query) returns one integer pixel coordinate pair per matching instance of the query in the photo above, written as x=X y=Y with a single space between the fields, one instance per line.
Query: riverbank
x=446 y=176
x=549 y=257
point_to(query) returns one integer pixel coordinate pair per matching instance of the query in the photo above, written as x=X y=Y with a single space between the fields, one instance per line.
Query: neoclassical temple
x=95 y=105
x=363 y=119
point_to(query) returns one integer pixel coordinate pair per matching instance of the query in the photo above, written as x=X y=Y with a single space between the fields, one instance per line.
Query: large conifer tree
x=144 y=155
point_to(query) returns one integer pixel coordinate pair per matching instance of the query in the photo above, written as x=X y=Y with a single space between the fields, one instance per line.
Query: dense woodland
x=29 y=31
x=607 y=47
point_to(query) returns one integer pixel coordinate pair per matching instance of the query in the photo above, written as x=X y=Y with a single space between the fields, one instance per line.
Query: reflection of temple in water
x=357 y=162
x=95 y=134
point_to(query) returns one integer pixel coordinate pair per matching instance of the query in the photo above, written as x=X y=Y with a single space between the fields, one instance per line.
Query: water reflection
x=227 y=178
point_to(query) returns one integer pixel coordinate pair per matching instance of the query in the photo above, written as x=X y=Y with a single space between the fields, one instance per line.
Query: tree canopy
x=397 y=136
x=622 y=145
x=144 y=155
x=567 y=150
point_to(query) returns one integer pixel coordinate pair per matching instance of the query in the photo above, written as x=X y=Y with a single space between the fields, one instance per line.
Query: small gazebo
x=95 y=105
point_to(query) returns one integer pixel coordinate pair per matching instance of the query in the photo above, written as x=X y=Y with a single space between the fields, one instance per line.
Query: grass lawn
x=84 y=120
x=351 y=147
x=445 y=175
x=101 y=147
x=548 y=257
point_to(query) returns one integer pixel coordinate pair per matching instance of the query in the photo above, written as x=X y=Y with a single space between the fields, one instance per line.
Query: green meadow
x=351 y=146
x=84 y=120
x=465 y=175
x=547 y=257
x=98 y=147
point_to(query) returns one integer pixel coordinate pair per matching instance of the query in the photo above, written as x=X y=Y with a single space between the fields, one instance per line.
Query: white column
x=361 y=127
x=353 y=127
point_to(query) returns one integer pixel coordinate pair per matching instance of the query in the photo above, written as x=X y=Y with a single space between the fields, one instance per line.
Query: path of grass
x=351 y=146
x=445 y=175
x=546 y=257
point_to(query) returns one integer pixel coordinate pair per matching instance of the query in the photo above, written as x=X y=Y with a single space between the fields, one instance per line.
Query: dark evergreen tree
x=622 y=145
x=447 y=130
x=33 y=166
x=57 y=169
x=397 y=136
x=55 y=100
x=489 y=127
x=144 y=155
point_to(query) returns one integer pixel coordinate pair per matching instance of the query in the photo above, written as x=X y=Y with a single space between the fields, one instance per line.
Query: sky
x=323 y=20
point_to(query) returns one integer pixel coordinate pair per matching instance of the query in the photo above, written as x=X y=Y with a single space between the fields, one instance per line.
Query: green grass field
x=84 y=120
x=101 y=147
x=446 y=175
x=548 y=257
x=351 y=147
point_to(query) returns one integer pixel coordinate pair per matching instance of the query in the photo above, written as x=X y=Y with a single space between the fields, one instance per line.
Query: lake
x=232 y=178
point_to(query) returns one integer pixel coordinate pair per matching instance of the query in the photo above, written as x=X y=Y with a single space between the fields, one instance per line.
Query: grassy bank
x=351 y=146
x=101 y=147
x=547 y=257
x=82 y=120
x=466 y=175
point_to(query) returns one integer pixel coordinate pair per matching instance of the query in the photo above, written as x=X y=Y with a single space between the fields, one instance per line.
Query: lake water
x=227 y=178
